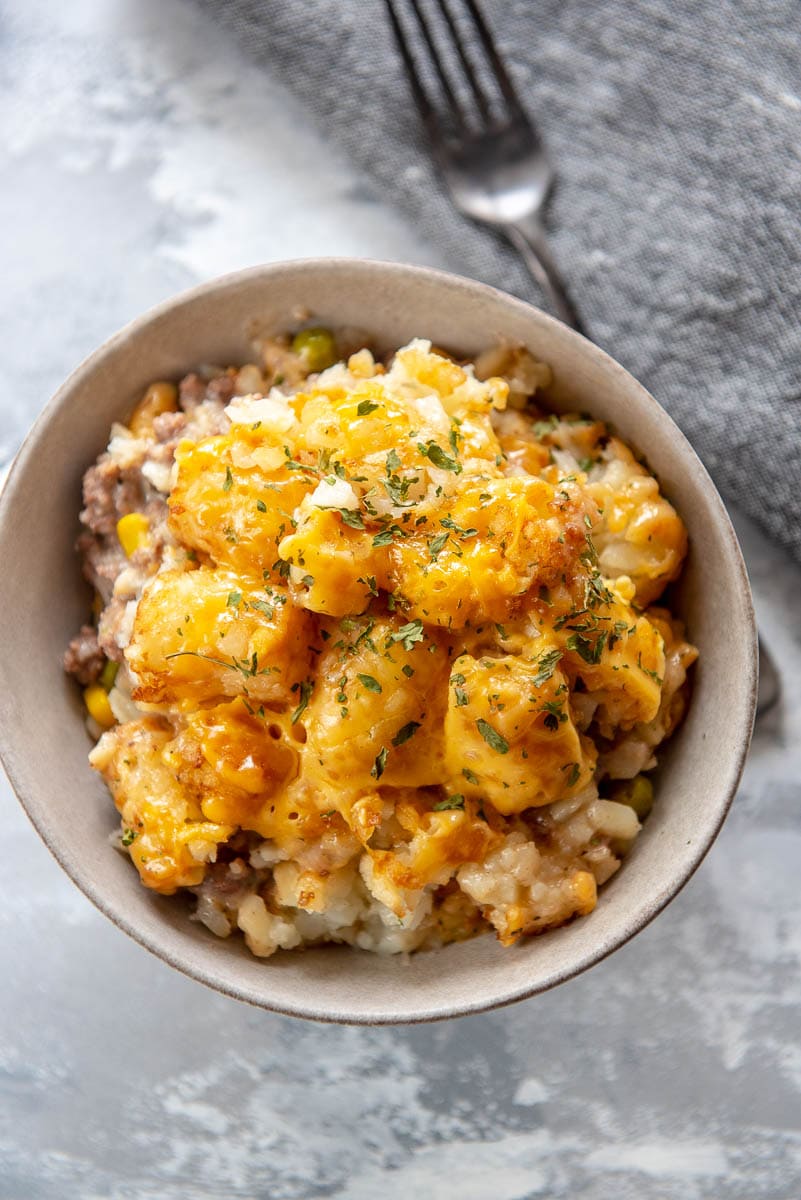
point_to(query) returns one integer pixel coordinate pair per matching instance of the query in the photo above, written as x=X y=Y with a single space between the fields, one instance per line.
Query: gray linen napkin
x=675 y=129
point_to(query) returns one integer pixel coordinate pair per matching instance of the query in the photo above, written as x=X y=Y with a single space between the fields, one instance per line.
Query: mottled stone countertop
x=135 y=163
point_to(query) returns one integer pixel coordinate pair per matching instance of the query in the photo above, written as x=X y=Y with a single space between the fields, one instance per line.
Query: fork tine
x=421 y=96
x=496 y=62
x=418 y=92
x=459 y=43
x=436 y=60
x=467 y=66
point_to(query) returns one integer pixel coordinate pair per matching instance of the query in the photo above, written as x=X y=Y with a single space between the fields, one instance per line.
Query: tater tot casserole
x=376 y=654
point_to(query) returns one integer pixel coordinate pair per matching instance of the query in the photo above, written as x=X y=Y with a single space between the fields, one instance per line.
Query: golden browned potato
x=234 y=498
x=375 y=715
x=640 y=534
x=203 y=634
x=163 y=826
x=509 y=732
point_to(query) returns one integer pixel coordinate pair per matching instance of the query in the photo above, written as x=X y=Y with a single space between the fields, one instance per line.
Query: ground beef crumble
x=112 y=490
x=193 y=390
x=109 y=492
x=169 y=426
x=84 y=657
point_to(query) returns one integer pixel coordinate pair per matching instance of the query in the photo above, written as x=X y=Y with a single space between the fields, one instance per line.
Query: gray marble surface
x=139 y=155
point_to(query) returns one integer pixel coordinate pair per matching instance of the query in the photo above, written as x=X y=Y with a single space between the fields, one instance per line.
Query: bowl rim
x=627 y=929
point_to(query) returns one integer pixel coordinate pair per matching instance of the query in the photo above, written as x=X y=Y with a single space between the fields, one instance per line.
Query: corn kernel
x=585 y=891
x=132 y=530
x=625 y=589
x=97 y=704
x=159 y=398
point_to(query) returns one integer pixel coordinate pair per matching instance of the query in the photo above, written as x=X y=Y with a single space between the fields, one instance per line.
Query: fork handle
x=528 y=237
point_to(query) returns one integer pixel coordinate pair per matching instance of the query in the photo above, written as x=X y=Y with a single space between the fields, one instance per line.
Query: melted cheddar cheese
x=401 y=633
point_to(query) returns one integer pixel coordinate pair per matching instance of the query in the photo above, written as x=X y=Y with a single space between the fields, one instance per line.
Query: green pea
x=109 y=674
x=317 y=346
x=638 y=793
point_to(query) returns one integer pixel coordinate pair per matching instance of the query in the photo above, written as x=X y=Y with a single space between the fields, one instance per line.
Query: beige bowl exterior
x=42 y=736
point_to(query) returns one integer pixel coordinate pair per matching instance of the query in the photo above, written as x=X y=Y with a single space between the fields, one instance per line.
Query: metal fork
x=491 y=156
x=486 y=146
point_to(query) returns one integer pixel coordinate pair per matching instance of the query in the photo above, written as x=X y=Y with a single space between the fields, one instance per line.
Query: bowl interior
x=43 y=737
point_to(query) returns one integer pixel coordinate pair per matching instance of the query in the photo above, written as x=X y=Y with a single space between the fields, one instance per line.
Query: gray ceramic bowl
x=44 y=743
